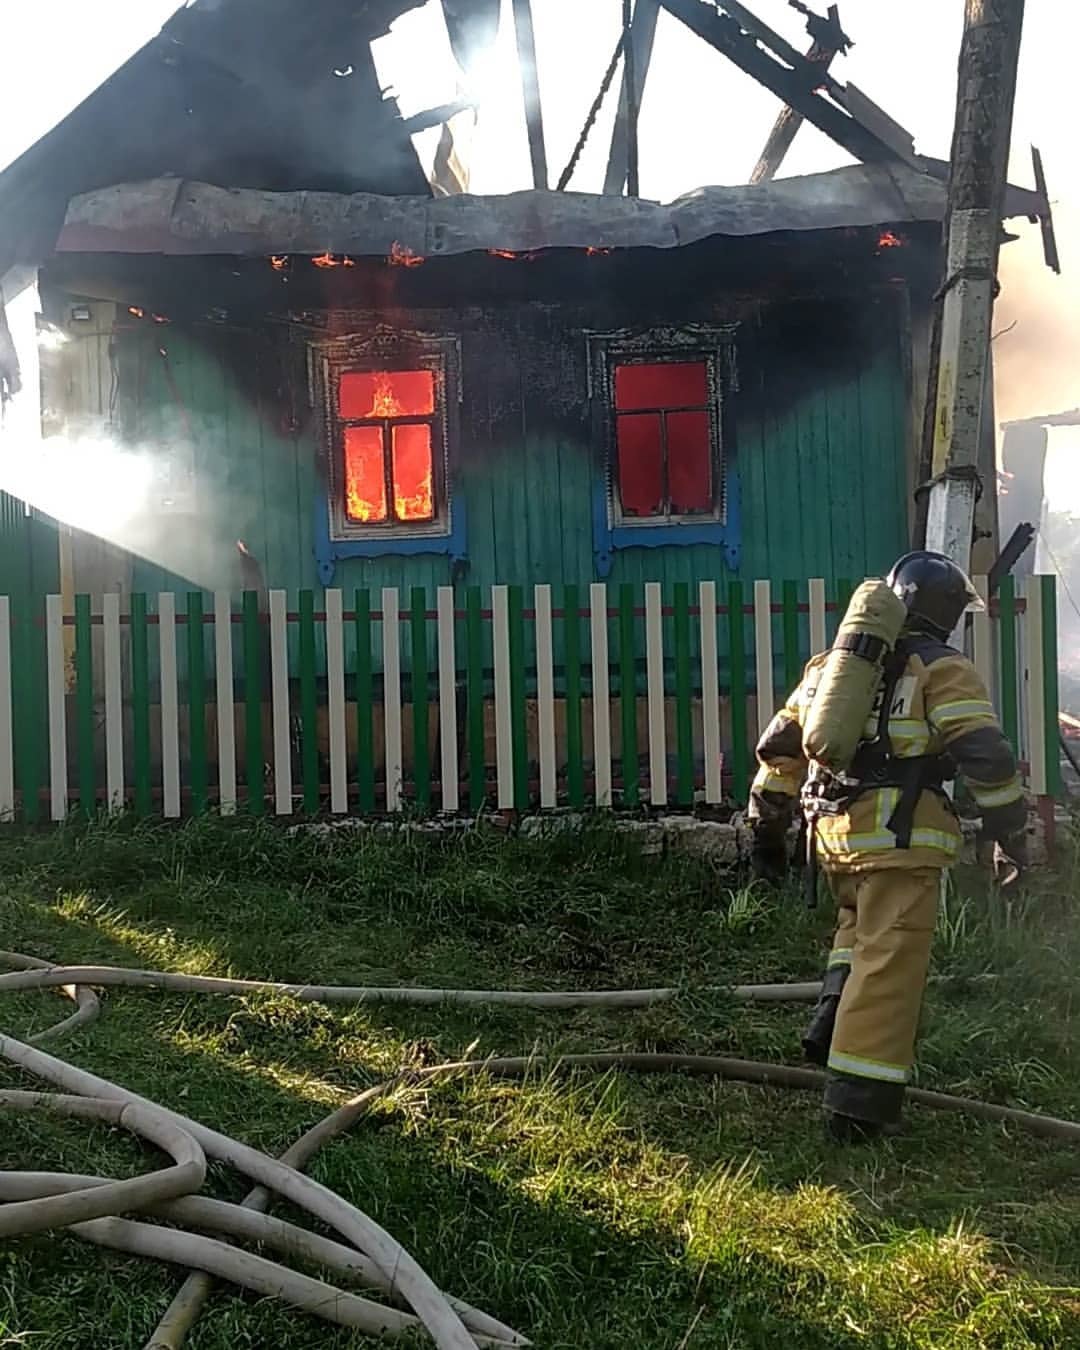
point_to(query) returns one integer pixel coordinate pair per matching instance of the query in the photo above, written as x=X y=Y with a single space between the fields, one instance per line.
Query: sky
x=702 y=122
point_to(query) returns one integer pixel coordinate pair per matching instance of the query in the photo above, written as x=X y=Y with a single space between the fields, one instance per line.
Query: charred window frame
x=703 y=357
x=381 y=351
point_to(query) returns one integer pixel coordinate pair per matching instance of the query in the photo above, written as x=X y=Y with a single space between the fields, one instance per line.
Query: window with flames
x=666 y=463
x=390 y=439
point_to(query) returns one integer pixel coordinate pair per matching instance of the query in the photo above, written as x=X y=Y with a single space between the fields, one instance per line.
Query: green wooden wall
x=819 y=427
x=29 y=570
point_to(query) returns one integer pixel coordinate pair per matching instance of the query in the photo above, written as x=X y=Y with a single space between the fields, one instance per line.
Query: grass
x=613 y=1211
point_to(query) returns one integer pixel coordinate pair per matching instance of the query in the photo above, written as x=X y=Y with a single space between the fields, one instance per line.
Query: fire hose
x=93 y=1208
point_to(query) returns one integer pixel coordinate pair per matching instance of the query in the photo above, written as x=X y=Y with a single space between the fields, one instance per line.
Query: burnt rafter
x=802 y=84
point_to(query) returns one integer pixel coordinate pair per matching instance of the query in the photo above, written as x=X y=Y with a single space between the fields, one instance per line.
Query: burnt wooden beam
x=1019 y=542
x=642 y=38
x=530 y=88
x=436 y=117
x=1046 y=221
x=829 y=40
x=742 y=38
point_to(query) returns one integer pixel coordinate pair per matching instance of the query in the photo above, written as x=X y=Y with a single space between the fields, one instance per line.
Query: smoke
x=140 y=498
x=1036 y=374
x=1037 y=348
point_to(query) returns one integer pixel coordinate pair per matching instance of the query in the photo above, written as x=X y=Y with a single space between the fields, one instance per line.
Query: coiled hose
x=91 y=1207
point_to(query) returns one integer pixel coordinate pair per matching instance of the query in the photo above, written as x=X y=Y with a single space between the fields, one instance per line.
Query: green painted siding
x=817 y=429
x=29 y=570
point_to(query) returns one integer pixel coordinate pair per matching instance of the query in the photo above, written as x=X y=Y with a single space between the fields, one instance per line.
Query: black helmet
x=935 y=590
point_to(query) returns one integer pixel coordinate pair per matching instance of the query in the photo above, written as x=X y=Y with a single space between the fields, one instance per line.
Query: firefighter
x=884 y=834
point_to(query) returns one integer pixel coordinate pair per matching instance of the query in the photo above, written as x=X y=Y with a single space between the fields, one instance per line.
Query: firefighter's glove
x=769 y=853
x=1010 y=861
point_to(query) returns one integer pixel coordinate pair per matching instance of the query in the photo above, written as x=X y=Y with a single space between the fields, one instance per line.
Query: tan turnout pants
x=885 y=928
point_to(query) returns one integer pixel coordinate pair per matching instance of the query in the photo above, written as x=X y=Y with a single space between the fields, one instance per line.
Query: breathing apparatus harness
x=876 y=766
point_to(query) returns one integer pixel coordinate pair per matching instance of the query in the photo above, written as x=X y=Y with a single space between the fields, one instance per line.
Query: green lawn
x=615 y=1212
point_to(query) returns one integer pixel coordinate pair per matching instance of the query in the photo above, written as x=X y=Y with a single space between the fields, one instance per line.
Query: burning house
x=371 y=386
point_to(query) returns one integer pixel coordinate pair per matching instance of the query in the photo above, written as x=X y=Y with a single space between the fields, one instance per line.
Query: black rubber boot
x=858 y=1110
x=850 y=1130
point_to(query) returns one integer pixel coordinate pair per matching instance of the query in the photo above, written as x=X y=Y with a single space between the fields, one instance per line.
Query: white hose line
x=234 y=1221
x=87 y=1004
x=117 y=1197
x=169 y=982
x=45 y=976
x=416 y=1286
x=248 y=1271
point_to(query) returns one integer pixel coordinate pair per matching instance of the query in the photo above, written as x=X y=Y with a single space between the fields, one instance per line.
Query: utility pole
x=989 y=58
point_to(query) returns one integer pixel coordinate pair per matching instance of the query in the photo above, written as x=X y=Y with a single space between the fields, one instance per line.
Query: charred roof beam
x=863 y=130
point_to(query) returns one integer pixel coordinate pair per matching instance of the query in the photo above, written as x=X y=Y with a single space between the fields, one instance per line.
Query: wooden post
x=633 y=185
x=530 y=88
x=984 y=110
x=639 y=56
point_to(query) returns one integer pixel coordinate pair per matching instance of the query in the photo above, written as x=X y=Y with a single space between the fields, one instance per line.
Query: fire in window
x=388 y=425
x=665 y=452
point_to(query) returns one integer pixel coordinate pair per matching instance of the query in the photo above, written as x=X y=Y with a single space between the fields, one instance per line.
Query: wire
x=1062 y=576
x=605 y=85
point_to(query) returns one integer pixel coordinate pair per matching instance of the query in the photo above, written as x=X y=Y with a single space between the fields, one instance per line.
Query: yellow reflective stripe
x=878 y=840
x=939 y=839
x=771 y=780
x=840 y=956
x=867 y=1068
x=999 y=796
x=965 y=710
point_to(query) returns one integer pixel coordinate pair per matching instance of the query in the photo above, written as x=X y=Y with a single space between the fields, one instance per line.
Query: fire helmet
x=936 y=591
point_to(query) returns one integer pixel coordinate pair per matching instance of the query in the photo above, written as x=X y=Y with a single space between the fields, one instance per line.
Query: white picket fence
x=693 y=696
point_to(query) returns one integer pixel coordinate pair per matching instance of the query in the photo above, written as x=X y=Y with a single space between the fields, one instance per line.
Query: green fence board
x=519 y=727
x=419 y=677
x=196 y=648
x=474 y=694
x=1054 y=783
x=309 y=704
x=84 y=706
x=575 y=750
x=1010 y=700
x=365 y=713
x=740 y=751
x=253 y=652
x=140 y=704
x=793 y=661
x=684 y=722
x=628 y=694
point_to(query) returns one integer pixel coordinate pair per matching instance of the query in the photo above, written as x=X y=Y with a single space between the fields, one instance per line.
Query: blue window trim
x=725 y=534
x=715 y=343
x=329 y=552
x=376 y=345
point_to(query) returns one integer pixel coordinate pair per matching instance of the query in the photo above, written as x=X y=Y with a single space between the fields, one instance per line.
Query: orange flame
x=401 y=255
x=137 y=312
x=384 y=402
x=509 y=253
x=279 y=261
x=886 y=239
x=329 y=260
x=414 y=497
x=409 y=448
x=594 y=250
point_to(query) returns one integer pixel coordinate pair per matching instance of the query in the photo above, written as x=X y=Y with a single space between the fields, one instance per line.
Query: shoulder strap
x=895 y=665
